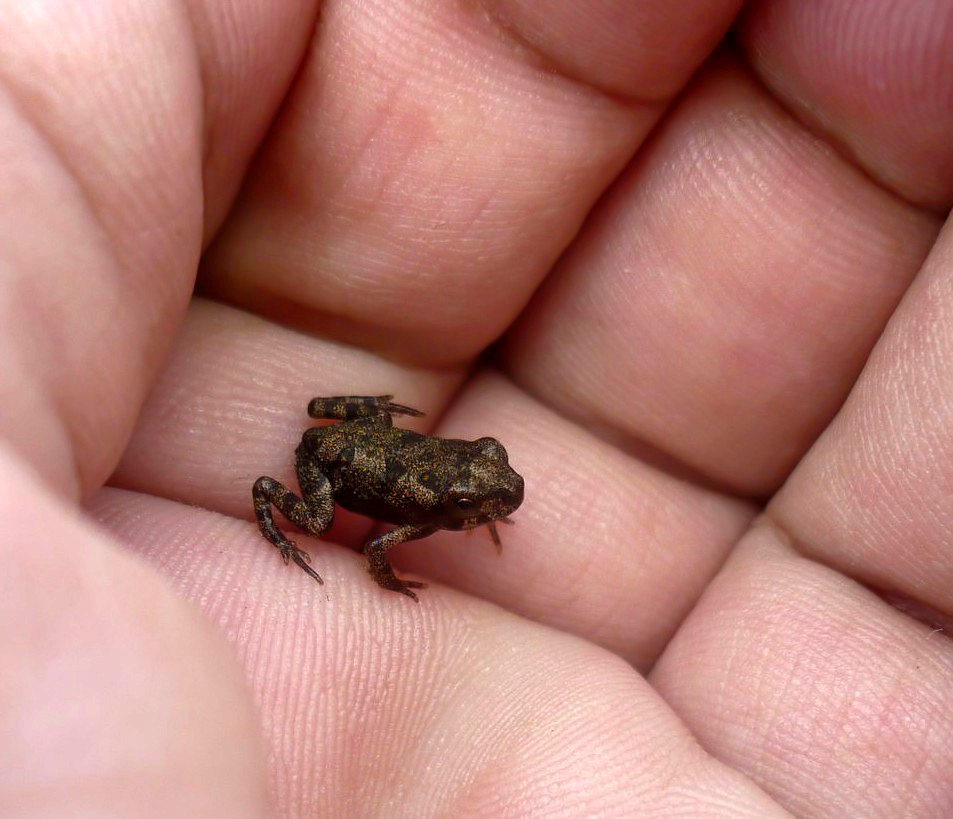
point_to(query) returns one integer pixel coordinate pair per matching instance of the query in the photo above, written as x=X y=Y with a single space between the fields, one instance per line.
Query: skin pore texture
x=691 y=269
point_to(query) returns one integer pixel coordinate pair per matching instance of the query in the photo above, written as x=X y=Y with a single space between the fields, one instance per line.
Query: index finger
x=434 y=159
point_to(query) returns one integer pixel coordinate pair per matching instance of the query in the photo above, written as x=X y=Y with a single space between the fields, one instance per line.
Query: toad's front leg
x=314 y=513
x=378 y=564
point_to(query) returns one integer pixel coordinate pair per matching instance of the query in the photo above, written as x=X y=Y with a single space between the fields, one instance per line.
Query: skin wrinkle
x=817 y=129
x=877 y=113
x=189 y=13
x=923 y=614
x=357 y=164
x=33 y=300
x=548 y=64
x=824 y=132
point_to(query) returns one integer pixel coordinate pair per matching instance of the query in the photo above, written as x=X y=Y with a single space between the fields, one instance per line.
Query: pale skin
x=723 y=335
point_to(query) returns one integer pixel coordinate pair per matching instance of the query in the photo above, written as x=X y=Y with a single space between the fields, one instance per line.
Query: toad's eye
x=465 y=503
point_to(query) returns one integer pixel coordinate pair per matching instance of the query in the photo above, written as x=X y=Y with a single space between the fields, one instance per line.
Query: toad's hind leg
x=314 y=513
x=352 y=407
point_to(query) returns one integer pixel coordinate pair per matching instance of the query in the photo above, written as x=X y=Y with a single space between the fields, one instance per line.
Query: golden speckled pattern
x=366 y=464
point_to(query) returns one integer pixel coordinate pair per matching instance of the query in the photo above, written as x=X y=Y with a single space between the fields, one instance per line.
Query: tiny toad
x=367 y=465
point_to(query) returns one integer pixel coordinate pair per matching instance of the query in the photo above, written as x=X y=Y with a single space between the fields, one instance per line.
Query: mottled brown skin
x=367 y=465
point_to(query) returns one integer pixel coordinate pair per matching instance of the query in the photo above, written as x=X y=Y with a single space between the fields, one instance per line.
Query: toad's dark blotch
x=367 y=465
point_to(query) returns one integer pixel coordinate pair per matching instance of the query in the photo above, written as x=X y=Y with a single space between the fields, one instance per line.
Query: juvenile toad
x=367 y=465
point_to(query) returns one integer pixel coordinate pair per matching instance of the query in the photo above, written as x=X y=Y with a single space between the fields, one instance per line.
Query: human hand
x=682 y=314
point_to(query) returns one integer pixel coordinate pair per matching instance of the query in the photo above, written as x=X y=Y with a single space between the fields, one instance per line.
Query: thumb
x=115 y=696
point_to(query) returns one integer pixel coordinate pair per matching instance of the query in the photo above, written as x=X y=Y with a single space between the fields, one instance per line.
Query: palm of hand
x=681 y=319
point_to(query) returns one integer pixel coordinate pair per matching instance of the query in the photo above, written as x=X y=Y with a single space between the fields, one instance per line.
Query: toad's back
x=365 y=464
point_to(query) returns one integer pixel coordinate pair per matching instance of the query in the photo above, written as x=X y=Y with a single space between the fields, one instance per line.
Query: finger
x=829 y=692
x=814 y=687
x=872 y=497
x=433 y=162
x=446 y=707
x=100 y=700
x=248 y=54
x=877 y=84
x=604 y=546
x=722 y=299
x=870 y=500
x=102 y=117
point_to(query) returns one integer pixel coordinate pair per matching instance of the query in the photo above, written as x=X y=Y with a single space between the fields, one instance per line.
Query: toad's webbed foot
x=291 y=552
x=386 y=579
x=404 y=587
x=313 y=517
x=379 y=566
